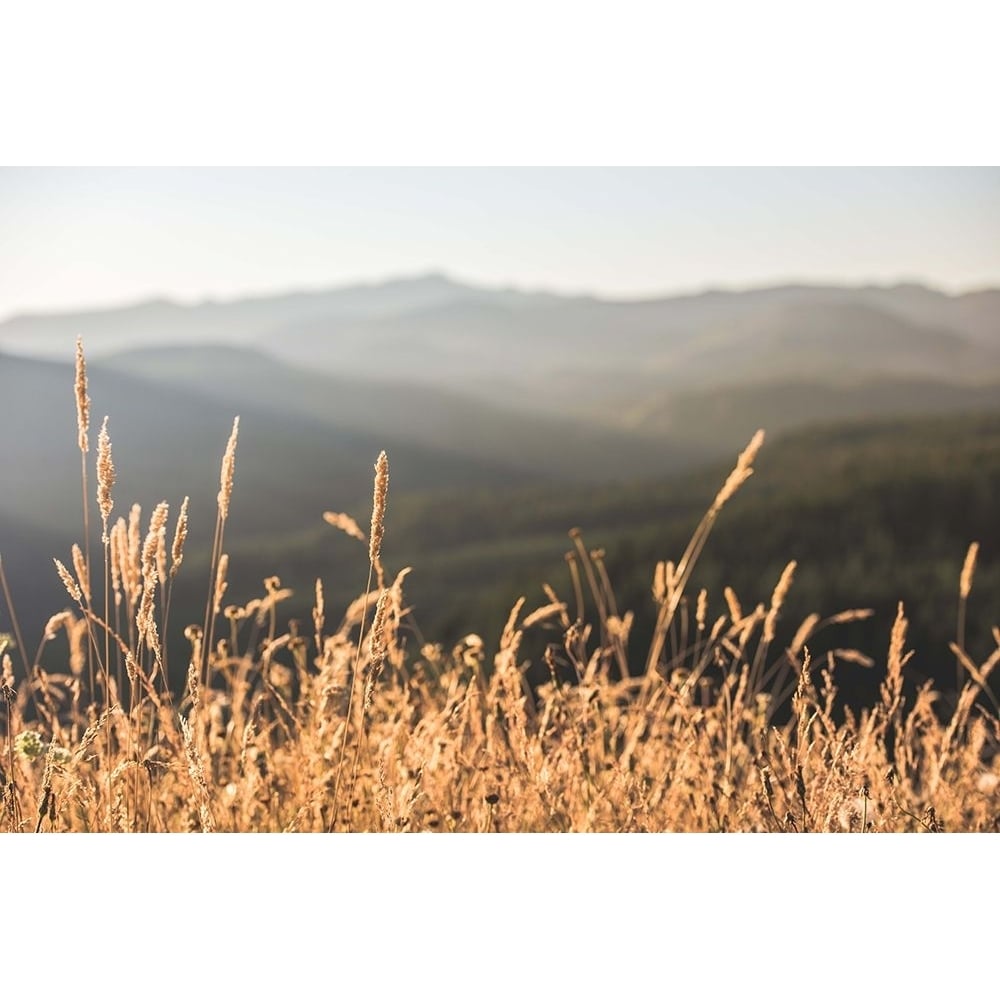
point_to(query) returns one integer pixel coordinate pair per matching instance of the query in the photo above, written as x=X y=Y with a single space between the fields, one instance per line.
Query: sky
x=90 y=237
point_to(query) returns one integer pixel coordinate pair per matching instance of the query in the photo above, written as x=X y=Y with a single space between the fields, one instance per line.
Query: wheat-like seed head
x=379 y=498
x=105 y=478
x=741 y=473
x=897 y=640
x=853 y=656
x=735 y=608
x=82 y=571
x=345 y=523
x=161 y=555
x=377 y=647
x=193 y=634
x=968 y=570
x=851 y=615
x=64 y=619
x=82 y=399
x=227 y=472
x=68 y=582
x=157 y=527
x=892 y=687
x=119 y=555
x=777 y=599
x=660 y=582
x=180 y=536
x=145 y=620
x=132 y=561
x=701 y=609
x=76 y=631
x=220 y=581
x=92 y=731
x=319 y=611
x=803 y=633
x=545 y=613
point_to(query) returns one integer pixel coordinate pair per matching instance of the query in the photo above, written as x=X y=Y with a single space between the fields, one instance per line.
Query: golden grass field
x=348 y=726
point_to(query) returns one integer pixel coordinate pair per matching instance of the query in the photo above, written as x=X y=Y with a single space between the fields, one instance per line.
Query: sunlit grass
x=355 y=724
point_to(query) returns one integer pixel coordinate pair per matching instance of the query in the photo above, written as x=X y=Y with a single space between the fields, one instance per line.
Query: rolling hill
x=542 y=351
x=534 y=445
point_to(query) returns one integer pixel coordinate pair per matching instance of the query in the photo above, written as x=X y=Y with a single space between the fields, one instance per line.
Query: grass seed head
x=82 y=399
x=228 y=472
x=380 y=496
x=105 y=478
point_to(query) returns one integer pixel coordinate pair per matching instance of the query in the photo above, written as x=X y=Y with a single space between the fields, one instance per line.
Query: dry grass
x=710 y=729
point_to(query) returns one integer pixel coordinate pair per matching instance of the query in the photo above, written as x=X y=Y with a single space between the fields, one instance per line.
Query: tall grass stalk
x=964 y=589
x=380 y=495
x=226 y=476
x=740 y=474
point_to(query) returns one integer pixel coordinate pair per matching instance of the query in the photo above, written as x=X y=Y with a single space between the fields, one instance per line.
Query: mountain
x=585 y=387
x=561 y=353
x=167 y=442
x=431 y=329
x=648 y=435
x=241 y=321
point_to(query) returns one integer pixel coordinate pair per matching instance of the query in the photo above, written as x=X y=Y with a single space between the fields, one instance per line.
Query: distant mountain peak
x=432 y=277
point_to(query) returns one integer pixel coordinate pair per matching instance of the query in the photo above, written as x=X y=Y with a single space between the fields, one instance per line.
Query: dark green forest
x=873 y=514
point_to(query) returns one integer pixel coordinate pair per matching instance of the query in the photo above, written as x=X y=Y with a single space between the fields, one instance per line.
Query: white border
x=546 y=82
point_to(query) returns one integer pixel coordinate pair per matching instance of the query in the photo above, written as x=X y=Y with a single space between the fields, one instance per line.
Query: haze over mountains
x=478 y=386
x=437 y=314
x=633 y=364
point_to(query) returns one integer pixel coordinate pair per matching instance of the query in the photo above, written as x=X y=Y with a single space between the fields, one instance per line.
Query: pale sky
x=72 y=238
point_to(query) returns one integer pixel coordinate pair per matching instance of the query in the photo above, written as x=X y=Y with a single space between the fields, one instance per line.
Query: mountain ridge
x=431 y=329
x=443 y=278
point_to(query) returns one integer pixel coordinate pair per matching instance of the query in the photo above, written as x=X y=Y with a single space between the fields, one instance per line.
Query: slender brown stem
x=86 y=555
x=164 y=642
x=210 y=603
x=350 y=699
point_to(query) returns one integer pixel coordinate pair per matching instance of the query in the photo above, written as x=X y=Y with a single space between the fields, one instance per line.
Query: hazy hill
x=641 y=435
x=577 y=388
x=561 y=352
x=547 y=350
x=168 y=442
x=238 y=321
x=547 y=447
